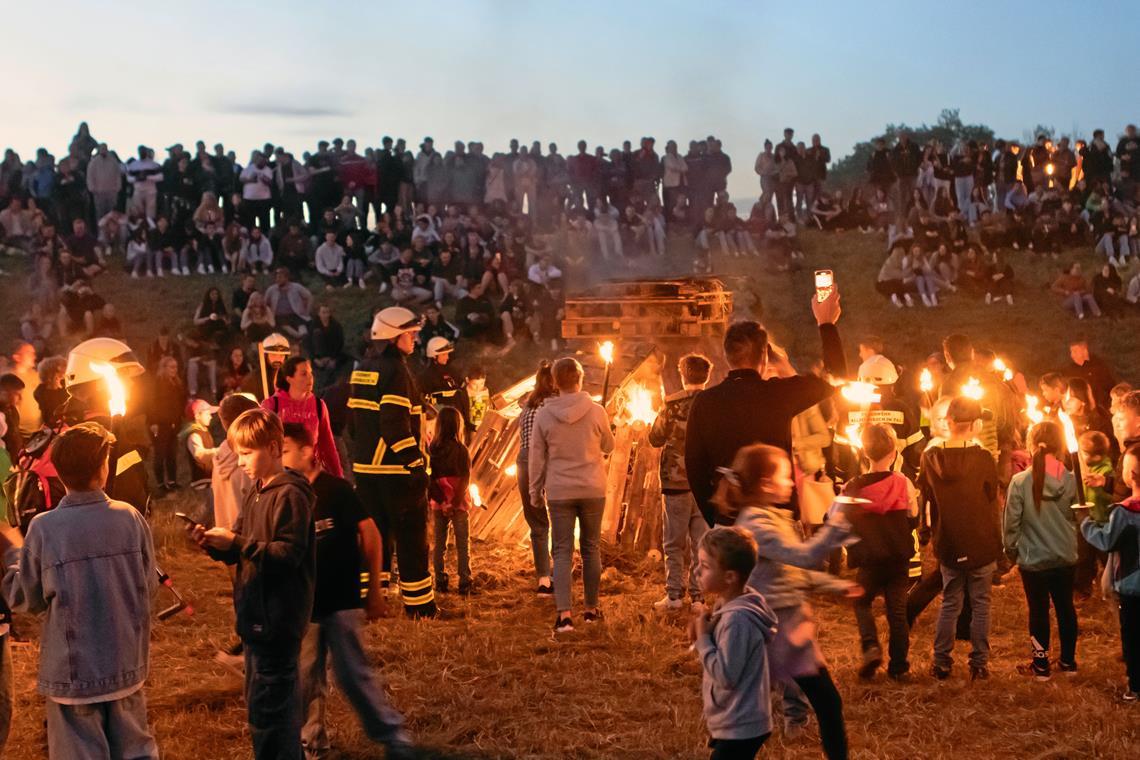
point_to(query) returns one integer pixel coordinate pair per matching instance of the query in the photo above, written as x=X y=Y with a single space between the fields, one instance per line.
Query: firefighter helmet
x=390 y=323
x=878 y=370
x=98 y=351
x=275 y=343
x=439 y=345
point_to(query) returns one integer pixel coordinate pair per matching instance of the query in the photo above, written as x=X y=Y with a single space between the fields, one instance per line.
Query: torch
x=606 y=351
x=1032 y=411
x=862 y=395
x=926 y=385
x=973 y=389
x=1049 y=169
x=1005 y=371
x=1074 y=452
x=117 y=406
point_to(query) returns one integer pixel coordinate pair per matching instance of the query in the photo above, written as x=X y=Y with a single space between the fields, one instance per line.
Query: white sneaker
x=186 y=271
x=925 y=300
x=895 y=300
x=933 y=299
x=383 y=288
x=989 y=299
x=347 y=284
x=161 y=272
x=1009 y=300
x=210 y=269
x=149 y=273
x=201 y=269
x=360 y=283
x=666 y=604
x=1113 y=262
x=134 y=275
x=908 y=299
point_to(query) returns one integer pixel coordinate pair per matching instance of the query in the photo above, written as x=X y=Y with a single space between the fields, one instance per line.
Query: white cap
x=275 y=343
x=439 y=345
x=394 y=321
x=100 y=351
x=878 y=370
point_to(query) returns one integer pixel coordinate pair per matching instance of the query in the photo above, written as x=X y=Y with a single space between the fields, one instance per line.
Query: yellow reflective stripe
x=379 y=469
x=419 y=601
x=417 y=409
x=416 y=585
x=404 y=444
x=127 y=461
x=378 y=455
x=391 y=398
x=445 y=394
x=364 y=378
x=913 y=439
x=417 y=463
x=360 y=403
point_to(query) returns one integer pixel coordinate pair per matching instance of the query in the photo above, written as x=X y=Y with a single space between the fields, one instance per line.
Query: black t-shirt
x=408 y=274
x=339 y=561
x=452 y=271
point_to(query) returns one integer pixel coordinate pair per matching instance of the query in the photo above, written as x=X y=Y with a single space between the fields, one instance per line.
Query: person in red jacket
x=294 y=402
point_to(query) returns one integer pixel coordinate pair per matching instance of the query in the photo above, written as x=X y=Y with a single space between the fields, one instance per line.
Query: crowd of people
x=962 y=459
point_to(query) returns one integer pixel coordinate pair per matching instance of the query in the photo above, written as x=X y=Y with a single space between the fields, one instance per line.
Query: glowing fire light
x=854 y=437
x=1070 y=432
x=926 y=381
x=512 y=470
x=639 y=405
x=1049 y=169
x=973 y=389
x=117 y=392
x=1006 y=372
x=861 y=393
x=606 y=351
x=1034 y=414
x=476 y=497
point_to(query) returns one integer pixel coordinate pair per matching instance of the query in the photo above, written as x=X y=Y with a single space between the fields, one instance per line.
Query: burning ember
x=639 y=405
x=116 y=390
x=854 y=437
x=973 y=389
x=476 y=497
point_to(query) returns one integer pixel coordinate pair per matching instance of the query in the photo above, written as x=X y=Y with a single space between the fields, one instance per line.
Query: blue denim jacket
x=88 y=565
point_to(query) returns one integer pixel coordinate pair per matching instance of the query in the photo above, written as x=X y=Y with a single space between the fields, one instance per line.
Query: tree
x=852 y=170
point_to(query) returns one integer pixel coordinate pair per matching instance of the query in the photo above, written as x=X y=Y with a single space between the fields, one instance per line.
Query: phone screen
x=824 y=283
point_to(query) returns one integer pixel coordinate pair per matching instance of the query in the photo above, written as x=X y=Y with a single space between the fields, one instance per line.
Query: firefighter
x=389 y=464
x=89 y=400
x=891 y=410
x=438 y=383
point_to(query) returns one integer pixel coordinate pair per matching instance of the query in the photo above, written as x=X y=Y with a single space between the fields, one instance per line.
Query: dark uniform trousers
x=398 y=505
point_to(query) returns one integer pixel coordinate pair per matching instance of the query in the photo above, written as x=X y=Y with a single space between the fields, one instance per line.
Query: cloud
x=268 y=108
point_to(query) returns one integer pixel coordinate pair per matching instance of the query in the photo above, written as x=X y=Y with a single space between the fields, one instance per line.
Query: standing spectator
x=429 y=174
x=104 y=181
x=294 y=401
x=144 y=173
x=535 y=513
x=585 y=177
x=167 y=404
x=1128 y=154
x=674 y=174
x=815 y=162
x=448 y=497
x=769 y=170
x=906 y=158
x=1096 y=160
x=257 y=192
x=571 y=435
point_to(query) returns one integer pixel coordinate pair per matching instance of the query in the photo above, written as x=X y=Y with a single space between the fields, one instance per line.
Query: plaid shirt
x=526 y=425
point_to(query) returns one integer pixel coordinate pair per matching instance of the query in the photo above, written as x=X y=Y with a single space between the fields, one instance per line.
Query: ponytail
x=1039 y=474
x=740 y=486
x=1045 y=439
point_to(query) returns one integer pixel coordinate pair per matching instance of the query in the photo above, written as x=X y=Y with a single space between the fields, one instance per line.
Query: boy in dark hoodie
x=883 y=553
x=273 y=546
x=1120 y=534
x=958 y=479
x=732 y=644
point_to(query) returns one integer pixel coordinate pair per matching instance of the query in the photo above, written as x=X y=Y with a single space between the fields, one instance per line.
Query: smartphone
x=824 y=284
x=186 y=518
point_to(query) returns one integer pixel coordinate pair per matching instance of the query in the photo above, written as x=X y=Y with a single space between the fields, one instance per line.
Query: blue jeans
x=955 y=585
x=684 y=527
x=100 y=730
x=1078 y=302
x=587 y=513
x=537 y=519
x=338 y=635
x=273 y=699
x=963 y=187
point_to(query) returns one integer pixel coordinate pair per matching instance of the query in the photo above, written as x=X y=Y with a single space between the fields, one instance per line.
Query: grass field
x=488 y=680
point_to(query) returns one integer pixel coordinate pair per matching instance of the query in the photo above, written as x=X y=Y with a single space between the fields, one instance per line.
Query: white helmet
x=393 y=322
x=275 y=343
x=100 y=351
x=439 y=345
x=878 y=370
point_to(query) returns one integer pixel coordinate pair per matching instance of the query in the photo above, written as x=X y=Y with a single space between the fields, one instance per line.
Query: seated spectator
x=326 y=348
x=1076 y=295
x=140 y=258
x=78 y=301
x=206 y=249
x=16 y=229
x=973 y=272
x=107 y=323
x=435 y=326
x=827 y=212
x=409 y=280
x=256 y=253
x=236 y=372
x=447 y=276
x=85 y=249
x=543 y=271
x=1114 y=243
x=896 y=278
x=514 y=311
x=293 y=250
x=256 y=318
x=165 y=245
x=1108 y=290
x=330 y=261
x=233 y=243
x=475 y=315
x=290 y=303
x=999 y=283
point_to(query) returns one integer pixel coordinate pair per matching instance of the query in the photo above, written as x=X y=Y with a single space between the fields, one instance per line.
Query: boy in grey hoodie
x=732 y=645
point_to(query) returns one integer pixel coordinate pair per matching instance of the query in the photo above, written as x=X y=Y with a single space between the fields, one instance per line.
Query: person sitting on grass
x=896 y=278
x=1076 y=295
x=883 y=553
x=1120 y=535
x=330 y=261
x=88 y=567
x=347 y=540
x=272 y=546
x=999 y=280
x=752 y=493
x=1040 y=535
x=732 y=644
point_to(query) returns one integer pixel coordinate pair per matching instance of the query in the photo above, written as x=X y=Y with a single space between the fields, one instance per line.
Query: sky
x=244 y=72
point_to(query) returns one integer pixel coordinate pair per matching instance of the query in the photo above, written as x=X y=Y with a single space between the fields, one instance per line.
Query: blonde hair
x=256 y=429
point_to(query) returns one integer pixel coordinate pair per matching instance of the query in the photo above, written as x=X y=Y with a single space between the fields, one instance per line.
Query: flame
x=861 y=393
x=1049 y=169
x=639 y=405
x=926 y=381
x=476 y=497
x=606 y=351
x=1070 y=432
x=1006 y=372
x=512 y=470
x=1034 y=414
x=973 y=389
x=117 y=392
x=854 y=436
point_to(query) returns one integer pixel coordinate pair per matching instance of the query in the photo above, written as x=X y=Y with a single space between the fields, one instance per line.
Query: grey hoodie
x=570 y=436
x=734 y=658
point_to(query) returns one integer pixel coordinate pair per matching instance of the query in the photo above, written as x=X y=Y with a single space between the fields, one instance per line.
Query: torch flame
x=117 y=392
x=512 y=470
x=854 y=436
x=1049 y=169
x=476 y=498
x=926 y=381
x=1034 y=414
x=639 y=405
x=973 y=389
x=1070 y=432
x=1001 y=367
x=861 y=393
x=606 y=351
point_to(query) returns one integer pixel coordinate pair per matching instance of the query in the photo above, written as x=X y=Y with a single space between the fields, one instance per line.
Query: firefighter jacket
x=386 y=411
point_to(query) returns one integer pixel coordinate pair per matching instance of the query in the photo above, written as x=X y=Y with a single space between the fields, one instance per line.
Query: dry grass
x=488 y=680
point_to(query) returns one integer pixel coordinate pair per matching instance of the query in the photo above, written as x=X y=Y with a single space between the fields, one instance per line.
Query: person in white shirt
x=144 y=173
x=607 y=231
x=543 y=271
x=330 y=261
x=256 y=191
x=104 y=179
x=674 y=174
x=256 y=252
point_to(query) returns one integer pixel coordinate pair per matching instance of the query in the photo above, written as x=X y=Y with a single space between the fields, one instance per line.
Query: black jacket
x=441 y=388
x=386 y=411
x=275 y=554
x=906 y=159
x=960 y=484
x=746 y=409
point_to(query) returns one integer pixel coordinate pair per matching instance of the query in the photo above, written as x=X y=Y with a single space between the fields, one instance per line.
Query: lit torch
x=512 y=470
x=1032 y=411
x=1049 y=170
x=606 y=351
x=861 y=393
x=476 y=497
x=926 y=385
x=117 y=406
x=973 y=389
x=1073 y=445
x=639 y=405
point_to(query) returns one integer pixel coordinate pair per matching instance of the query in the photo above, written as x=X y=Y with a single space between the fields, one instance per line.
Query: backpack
x=33 y=485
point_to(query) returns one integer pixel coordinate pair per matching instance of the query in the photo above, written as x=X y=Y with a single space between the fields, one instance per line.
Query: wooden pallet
x=649 y=310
